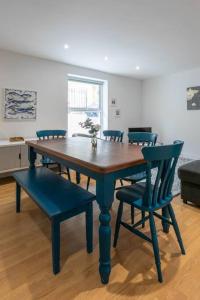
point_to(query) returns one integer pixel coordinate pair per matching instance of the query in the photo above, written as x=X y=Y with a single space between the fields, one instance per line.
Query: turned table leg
x=105 y=195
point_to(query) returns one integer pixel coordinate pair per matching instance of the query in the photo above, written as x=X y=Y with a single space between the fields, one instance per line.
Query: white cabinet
x=14 y=156
x=9 y=158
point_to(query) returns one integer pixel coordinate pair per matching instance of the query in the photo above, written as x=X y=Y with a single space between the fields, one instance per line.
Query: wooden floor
x=25 y=257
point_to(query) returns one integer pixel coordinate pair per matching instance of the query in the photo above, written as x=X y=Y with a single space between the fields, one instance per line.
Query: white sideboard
x=13 y=156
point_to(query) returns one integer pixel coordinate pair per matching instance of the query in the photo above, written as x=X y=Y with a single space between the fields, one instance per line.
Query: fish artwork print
x=20 y=104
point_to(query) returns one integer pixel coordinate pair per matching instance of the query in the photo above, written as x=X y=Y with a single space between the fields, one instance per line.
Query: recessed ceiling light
x=137 y=68
x=66 y=46
x=105 y=58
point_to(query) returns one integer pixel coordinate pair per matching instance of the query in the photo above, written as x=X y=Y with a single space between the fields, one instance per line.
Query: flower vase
x=94 y=142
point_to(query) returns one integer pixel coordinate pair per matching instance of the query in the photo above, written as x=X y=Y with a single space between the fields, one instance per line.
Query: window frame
x=88 y=81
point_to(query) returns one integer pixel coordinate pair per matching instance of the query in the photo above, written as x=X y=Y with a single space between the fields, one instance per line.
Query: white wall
x=164 y=107
x=50 y=80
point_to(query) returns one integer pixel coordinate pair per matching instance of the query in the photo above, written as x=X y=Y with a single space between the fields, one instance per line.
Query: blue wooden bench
x=59 y=199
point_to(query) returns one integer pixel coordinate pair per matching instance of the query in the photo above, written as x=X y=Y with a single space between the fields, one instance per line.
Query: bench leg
x=18 y=197
x=89 y=228
x=55 y=234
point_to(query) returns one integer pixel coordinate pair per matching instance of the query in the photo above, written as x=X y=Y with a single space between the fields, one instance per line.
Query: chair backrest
x=51 y=134
x=113 y=135
x=81 y=134
x=142 y=138
x=165 y=157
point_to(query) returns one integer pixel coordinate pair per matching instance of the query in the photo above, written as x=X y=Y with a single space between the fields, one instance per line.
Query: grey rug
x=176 y=186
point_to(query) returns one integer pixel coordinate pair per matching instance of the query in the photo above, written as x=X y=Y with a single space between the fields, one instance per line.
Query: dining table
x=106 y=163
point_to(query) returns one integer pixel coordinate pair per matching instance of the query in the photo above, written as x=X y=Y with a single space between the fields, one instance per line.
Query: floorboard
x=25 y=257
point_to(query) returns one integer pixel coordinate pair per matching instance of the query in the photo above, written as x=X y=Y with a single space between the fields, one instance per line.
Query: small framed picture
x=193 y=98
x=113 y=102
x=117 y=113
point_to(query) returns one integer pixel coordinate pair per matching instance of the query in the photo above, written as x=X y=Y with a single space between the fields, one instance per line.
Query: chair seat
x=136 y=177
x=47 y=161
x=134 y=194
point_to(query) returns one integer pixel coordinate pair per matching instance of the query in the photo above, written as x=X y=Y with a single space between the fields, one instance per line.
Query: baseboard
x=190 y=156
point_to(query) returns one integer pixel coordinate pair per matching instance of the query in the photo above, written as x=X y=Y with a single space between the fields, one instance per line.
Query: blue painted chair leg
x=68 y=174
x=132 y=214
x=176 y=228
x=59 y=169
x=165 y=225
x=18 y=198
x=78 y=178
x=115 y=184
x=88 y=183
x=55 y=233
x=118 y=223
x=143 y=216
x=89 y=228
x=155 y=246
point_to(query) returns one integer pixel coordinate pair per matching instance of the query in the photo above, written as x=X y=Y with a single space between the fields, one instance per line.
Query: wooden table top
x=106 y=158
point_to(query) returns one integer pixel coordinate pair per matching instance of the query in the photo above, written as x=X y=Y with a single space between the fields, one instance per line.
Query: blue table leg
x=105 y=196
x=31 y=156
x=165 y=225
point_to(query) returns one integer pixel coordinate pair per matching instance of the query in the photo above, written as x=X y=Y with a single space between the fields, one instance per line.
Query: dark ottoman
x=189 y=175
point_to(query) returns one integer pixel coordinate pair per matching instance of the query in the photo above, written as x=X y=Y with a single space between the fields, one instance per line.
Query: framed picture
x=20 y=104
x=113 y=102
x=193 y=98
x=116 y=113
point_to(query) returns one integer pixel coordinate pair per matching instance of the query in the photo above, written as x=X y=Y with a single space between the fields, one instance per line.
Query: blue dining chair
x=112 y=136
x=78 y=176
x=142 y=139
x=149 y=197
x=52 y=134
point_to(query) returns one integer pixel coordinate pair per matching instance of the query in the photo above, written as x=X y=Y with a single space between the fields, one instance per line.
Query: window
x=84 y=101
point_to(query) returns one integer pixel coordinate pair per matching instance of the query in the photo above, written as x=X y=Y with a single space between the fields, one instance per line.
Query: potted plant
x=93 y=130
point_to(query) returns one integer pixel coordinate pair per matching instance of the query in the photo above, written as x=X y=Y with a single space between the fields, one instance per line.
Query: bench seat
x=59 y=199
x=54 y=194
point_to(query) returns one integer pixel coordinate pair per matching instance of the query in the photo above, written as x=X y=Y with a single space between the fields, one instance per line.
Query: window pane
x=74 y=117
x=82 y=95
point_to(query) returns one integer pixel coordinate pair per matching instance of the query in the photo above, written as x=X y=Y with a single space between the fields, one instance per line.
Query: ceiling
x=160 y=36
